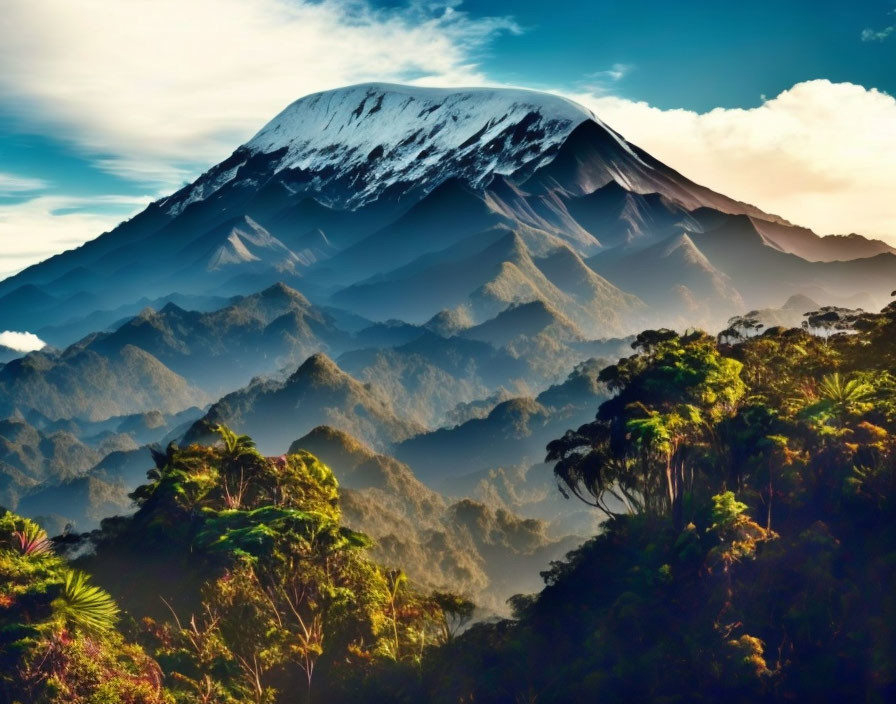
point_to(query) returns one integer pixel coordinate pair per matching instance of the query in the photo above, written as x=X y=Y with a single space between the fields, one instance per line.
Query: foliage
x=57 y=639
x=83 y=605
x=31 y=539
x=749 y=551
x=748 y=554
x=654 y=440
x=248 y=586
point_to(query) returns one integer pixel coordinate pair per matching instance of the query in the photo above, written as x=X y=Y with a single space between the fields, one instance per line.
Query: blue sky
x=106 y=105
x=696 y=54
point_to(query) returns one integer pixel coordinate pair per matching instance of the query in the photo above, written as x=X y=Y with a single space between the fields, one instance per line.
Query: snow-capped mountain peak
x=407 y=133
x=386 y=143
x=350 y=145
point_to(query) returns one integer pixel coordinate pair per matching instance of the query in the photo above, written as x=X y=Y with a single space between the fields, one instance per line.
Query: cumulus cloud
x=38 y=227
x=819 y=154
x=156 y=88
x=21 y=341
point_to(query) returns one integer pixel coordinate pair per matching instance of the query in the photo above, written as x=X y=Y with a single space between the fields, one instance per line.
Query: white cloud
x=39 y=227
x=13 y=184
x=604 y=82
x=876 y=35
x=156 y=88
x=616 y=72
x=819 y=154
x=21 y=341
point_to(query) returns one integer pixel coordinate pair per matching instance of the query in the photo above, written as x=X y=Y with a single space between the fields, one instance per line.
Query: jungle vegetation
x=749 y=551
x=748 y=483
x=233 y=582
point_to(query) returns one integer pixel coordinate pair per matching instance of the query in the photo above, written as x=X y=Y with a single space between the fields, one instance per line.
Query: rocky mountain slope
x=363 y=194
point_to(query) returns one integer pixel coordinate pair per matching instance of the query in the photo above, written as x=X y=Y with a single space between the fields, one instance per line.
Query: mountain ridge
x=350 y=184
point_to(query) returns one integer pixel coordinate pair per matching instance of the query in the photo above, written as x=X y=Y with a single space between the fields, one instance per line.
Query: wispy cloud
x=616 y=72
x=13 y=184
x=877 y=35
x=38 y=227
x=819 y=154
x=600 y=82
x=156 y=89
x=870 y=34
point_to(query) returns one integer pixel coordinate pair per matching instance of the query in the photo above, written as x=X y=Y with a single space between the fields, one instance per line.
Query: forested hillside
x=234 y=582
x=749 y=551
x=749 y=488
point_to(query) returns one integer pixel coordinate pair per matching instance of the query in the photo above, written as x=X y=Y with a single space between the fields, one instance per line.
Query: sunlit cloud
x=38 y=227
x=21 y=341
x=819 y=154
x=156 y=89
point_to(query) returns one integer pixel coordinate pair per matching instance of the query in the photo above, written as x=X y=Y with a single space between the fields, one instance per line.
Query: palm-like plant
x=85 y=605
x=236 y=446
x=844 y=395
x=31 y=540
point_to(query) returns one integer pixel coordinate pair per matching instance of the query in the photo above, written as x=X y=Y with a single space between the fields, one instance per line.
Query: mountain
x=524 y=320
x=430 y=375
x=486 y=273
x=625 y=219
x=156 y=360
x=82 y=383
x=790 y=315
x=106 y=319
x=275 y=412
x=449 y=321
x=513 y=433
x=470 y=547
x=19 y=306
x=223 y=349
x=7 y=354
x=450 y=213
x=361 y=195
x=133 y=430
x=510 y=433
x=237 y=243
x=764 y=275
x=678 y=282
x=807 y=245
x=383 y=138
x=29 y=457
x=313 y=247
x=79 y=503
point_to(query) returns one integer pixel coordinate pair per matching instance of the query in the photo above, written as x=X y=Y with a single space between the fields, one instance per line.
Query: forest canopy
x=750 y=487
x=748 y=483
x=234 y=581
